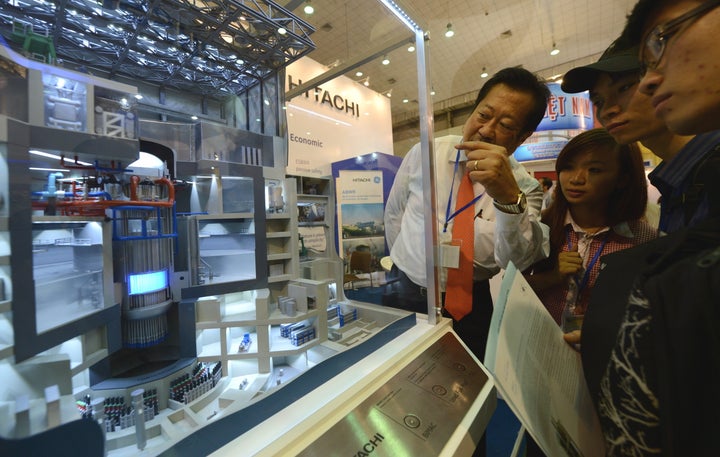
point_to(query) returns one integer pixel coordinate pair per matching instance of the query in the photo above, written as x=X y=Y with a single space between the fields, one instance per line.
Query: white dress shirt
x=499 y=237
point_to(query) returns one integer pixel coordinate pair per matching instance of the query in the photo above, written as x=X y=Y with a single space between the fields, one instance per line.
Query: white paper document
x=539 y=374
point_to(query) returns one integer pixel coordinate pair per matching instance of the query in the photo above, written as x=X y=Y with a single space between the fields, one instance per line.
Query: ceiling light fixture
x=411 y=48
x=432 y=90
x=358 y=73
x=308 y=8
x=386 y=60
x=226 y=37
x=449 y=32
x=484 y=73
x=366 y=83
x=555 y=51
x=281 y=30
x=400 y=14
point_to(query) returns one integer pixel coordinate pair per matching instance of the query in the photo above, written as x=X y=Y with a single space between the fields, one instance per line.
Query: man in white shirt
x=507 y=225
x=546 y=184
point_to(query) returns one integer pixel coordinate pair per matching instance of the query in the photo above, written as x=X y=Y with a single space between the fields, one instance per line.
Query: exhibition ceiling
x=215 y=48
x=490 y=34
x=221 y=47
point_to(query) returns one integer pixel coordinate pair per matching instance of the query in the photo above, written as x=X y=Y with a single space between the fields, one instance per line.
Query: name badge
x=449 y=254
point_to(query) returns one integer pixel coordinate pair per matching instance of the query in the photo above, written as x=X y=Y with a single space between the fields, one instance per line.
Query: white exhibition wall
x=337 y=120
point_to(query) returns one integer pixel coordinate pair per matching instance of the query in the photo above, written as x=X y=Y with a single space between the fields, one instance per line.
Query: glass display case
x=228 y=242
x=6 y=332
x=71 y=275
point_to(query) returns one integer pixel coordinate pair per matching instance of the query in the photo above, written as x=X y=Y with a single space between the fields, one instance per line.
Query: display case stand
x=303 y=426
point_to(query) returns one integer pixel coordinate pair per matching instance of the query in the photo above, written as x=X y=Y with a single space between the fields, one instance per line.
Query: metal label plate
x=415 y=412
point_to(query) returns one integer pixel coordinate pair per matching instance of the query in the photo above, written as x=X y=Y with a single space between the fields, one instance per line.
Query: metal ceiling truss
x=211 y=47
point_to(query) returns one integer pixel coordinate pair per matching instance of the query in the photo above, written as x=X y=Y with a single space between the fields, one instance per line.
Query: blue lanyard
x=586 y=277
x=448 y=216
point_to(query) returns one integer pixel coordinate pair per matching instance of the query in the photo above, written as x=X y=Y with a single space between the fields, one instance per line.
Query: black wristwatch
x=513 y=208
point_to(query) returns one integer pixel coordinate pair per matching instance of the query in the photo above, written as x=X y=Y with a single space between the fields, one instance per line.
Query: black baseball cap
x=611 y=61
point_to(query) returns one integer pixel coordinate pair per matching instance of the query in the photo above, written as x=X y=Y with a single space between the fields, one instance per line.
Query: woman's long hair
x=627 y=201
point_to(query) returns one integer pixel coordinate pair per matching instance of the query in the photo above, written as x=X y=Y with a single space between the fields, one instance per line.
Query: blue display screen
x=147 y=282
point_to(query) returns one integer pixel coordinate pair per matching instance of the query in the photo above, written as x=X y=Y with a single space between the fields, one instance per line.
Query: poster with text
x=360 y=213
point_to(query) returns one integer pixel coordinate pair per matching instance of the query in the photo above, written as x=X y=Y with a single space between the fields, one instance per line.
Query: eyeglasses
x=656 y=41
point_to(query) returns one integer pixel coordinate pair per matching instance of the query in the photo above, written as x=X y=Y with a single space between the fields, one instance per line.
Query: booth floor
x=503 y=428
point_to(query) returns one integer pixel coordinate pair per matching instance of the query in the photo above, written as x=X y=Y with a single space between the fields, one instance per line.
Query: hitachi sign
x=361 y=179
x=322 y=96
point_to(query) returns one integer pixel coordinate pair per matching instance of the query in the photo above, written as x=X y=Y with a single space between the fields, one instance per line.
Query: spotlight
x=386 y=60
x=449 y=32
x=308 y=8
x=555 y=51
x=484 y=73
x=228 y=38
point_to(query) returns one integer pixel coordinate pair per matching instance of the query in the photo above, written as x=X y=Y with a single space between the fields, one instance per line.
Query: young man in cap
x=650 y=350
x=628 y=116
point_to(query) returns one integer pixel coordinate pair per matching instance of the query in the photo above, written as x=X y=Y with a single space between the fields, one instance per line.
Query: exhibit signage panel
x=335 y=121
x=360 y=206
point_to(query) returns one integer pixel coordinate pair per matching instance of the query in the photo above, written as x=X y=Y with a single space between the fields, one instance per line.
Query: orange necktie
x=458 y=290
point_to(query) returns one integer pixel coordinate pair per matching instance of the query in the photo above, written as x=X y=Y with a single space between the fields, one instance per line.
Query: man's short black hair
x=633 y=32
x=521 y=80
x=546 y=182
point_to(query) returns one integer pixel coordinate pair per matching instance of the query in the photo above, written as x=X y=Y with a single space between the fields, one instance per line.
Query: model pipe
x=74 y=194
x=169 y=203
x=76 y=166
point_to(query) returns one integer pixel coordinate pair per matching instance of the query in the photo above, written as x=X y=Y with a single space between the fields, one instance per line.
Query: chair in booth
x=360 y=262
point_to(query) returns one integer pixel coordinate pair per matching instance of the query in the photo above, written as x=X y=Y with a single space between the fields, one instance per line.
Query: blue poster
x=566 y=115
x=567 y=111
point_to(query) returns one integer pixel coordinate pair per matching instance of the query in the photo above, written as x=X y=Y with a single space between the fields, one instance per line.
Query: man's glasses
x=656 y=41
